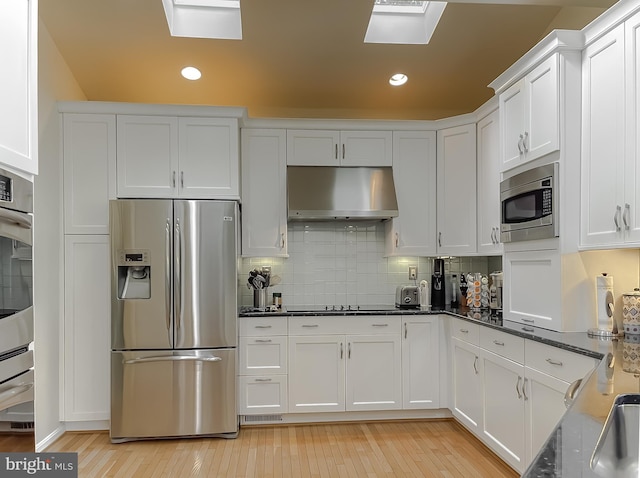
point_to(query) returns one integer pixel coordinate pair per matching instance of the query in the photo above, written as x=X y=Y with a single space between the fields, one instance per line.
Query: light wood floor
x=403 y=449
x=17 y=442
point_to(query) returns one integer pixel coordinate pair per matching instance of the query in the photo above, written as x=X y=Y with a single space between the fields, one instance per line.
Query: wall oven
x=16 y=290
x=529 y=205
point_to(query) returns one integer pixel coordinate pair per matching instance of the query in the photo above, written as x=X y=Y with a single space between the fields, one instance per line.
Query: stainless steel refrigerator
x=173 y=318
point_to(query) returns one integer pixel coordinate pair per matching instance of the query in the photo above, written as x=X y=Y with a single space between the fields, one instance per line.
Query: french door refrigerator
x=173 y=318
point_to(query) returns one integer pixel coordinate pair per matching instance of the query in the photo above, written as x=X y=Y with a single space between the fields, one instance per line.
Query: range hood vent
x=341 y=193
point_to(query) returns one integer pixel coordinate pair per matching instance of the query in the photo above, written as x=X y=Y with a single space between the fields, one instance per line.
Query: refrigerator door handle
x=178 y=274
x=173 y=358
x=167 y=275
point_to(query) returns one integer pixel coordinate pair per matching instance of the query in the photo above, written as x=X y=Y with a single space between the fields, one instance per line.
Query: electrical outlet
x=413 y=272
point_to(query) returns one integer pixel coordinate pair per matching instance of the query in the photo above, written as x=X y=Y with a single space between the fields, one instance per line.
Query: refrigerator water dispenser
x=134 y=275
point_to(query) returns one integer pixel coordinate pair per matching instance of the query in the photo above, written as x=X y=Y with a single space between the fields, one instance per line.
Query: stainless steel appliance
x=438 y=295
x=529 y=205
x=16 y=302
x=407 y=296
x=173 y=319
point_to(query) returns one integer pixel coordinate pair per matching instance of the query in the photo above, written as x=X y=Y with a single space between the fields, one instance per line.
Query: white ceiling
x=303 y=58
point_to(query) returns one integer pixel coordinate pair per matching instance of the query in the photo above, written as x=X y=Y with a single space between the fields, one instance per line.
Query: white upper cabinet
x=167 y=156
x=488 y=131
x=413 y=232
x=338 y=148
x=456 y=193
x=631 y=206
x=89 y=150
x=19 y=84
x=264 y=193
x=529 y=115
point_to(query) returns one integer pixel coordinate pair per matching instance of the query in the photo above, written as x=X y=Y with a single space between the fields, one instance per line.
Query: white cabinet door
x=19 y=84
x=313 y=148
x=89 y=150
x=413 y=232
x=260 y=395
x=87 y=330
x=467 y=384
x=264 y=193
x=456 y=203
x=420 y=362
x=338 y=148
x=603 y=140
x=317 y=373
x=631 y=208
x=147 y=156
x=544 y=407
x=374 y=372
x=488 y=209
x=209 y=163
x=503 y=406
x=365 y=148
x=529 y=115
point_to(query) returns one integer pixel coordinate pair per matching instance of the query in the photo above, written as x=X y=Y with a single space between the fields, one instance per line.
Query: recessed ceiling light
x=398 y=79
x=191 y=73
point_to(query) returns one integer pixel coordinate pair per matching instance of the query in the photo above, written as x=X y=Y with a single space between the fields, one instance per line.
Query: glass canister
x=631 y=312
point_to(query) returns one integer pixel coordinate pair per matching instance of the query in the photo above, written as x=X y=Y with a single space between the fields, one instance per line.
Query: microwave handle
x=13 y=217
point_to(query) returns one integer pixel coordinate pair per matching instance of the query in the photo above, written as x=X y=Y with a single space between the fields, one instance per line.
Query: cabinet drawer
x=263 y=355
x=339 y=325
x=506 y=345
x=261 y=326
x=559 y=363
x=465 y=330
x=260 y=395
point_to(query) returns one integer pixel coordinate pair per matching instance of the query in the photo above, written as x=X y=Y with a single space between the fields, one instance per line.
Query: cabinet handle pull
x=531 y=321
x=262 y=379
x=475 y=364
x=173 y=180
x=379 y=325
x=182 y=179
x=524 y=393
x=498 y=343
x=309 y=325
x=263 y=341
x=528 y=329
x=524 y=142
x=626 y=216
x=520 y=142
x=262 y=326
x=493 y=235
x=464 y=331
x=518 y=386
x=571 y=392
x=553 y=362
x=440 y=239
x=397 y=239
x=282 y=241
x=341 y=344
x=343 y=150
x=616 y=218
x=349 y=350
x=405 y=330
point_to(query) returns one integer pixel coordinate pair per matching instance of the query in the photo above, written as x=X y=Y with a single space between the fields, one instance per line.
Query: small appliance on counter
x=407 y=296
x=437 y=285
x=424 y=295
x=495 y=291
x=607 y=326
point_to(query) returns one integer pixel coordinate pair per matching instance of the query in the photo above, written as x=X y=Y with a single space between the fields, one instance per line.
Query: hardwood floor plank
x=436 y=448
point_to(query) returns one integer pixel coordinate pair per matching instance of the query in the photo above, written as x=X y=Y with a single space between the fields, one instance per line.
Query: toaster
x=407 y=296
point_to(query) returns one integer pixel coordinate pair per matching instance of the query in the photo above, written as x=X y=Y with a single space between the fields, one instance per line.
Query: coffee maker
x=437 y=285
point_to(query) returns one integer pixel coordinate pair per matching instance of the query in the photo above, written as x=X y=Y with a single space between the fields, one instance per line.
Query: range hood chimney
x=341 y=193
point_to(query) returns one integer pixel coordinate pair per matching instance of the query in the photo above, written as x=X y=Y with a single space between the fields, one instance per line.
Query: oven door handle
x=12 y=392
x=13 y=217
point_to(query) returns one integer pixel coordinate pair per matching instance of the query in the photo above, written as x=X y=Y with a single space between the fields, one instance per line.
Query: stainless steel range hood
x=328 y=193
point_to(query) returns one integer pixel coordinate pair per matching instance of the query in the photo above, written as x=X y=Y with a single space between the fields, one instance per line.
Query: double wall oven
x=16 y=292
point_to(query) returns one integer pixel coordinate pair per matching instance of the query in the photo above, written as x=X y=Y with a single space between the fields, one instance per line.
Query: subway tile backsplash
x=333 y=263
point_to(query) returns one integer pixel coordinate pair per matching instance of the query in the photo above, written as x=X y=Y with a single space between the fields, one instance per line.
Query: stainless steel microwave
x=529 y=205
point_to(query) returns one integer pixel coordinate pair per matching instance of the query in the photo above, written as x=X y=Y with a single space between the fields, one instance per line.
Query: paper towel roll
x=604 y=302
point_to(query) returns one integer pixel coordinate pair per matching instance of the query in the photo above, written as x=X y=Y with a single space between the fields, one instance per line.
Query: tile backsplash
x=333 y=263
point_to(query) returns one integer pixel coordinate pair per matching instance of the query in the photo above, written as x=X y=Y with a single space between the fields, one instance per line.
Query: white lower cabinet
x=87 y=332
x=420 y=362
x=262 y=348
x=510 y=391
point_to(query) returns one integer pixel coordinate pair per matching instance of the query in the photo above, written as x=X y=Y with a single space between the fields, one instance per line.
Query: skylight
x=410 y=22
x=204 y=18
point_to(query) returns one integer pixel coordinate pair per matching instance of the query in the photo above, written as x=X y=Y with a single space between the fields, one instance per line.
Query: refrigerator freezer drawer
x=173 y=393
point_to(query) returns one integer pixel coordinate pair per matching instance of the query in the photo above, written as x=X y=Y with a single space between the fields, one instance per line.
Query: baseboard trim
x=89 y=425
x=42 y=445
